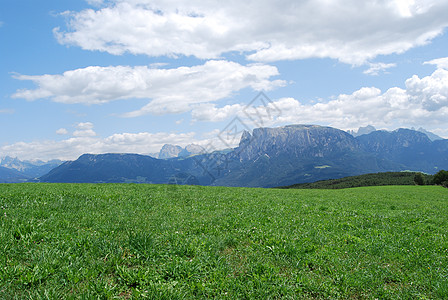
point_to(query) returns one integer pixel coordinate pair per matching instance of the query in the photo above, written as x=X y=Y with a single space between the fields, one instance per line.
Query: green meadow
x=130 y=241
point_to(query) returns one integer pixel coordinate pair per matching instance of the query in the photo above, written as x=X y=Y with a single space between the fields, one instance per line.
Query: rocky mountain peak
x=295 y=141
x=191 y=150
x=169 y=151
x=386 y=141
x=362 y=130
x=431 y=136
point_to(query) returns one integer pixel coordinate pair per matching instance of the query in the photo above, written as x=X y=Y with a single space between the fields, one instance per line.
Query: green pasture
x=131 y=241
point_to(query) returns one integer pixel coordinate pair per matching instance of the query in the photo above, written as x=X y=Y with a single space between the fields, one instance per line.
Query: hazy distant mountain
x=191 y=149
x=172 y=151
x=270 y=157
x=11 y=176
x=369 y=129
x=431 y=136
x=154 y=154
x=27 y=169
x=410 y=148
x=169 y=151
x=362 y=130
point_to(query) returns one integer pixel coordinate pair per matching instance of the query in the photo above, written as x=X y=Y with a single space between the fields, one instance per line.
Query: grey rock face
x=431 y=136
x=384 y=141
x=191 y=150
x=362 y=130
x=28 y=168
x=296 y=141
x=172 y=151
x=169 y=151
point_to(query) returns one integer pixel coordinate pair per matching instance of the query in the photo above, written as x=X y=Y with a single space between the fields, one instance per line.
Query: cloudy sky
x=96 y=76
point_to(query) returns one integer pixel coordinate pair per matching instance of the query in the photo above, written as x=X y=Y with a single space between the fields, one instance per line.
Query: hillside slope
x=11 y=176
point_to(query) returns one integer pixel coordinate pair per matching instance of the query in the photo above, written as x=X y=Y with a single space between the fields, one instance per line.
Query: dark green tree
x=441 y=177
x=418 y=179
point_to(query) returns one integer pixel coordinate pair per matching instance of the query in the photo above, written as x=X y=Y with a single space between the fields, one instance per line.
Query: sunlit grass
x=156 y=241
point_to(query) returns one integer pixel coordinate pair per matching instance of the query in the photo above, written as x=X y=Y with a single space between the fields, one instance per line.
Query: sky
x=128 y=76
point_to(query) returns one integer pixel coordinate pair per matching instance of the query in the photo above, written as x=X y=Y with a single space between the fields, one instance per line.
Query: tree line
x=378 y=179
x=440 y=178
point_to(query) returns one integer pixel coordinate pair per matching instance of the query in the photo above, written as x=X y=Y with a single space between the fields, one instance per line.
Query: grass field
x=166 y=242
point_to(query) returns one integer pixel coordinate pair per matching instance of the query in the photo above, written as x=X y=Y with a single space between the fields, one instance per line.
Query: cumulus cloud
x=72 y=147
x=141 y=143
x=84 y=130
x=209 y=112
x=85 y=126
x=170 y=90
x=424 y=101
x=95 y=2
x=266 y=30
x=377 y=68
x=430 y=91
x=62 y=131
x=84 y=133
x=441 y=63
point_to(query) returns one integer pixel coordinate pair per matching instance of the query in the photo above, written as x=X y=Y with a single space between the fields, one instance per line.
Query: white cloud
x=441 y=63
x=409 y=8
x=266 y=30
x=377 y=68
x=84 y=126
x=209 y=112
x=84 y=133
x=71 y=148
x=141 y=143
x=158 y=65
x=95 y=2
x=430 y=91
x=423 y=102
x=84 y=130
x=62 y=131
x=170 y=90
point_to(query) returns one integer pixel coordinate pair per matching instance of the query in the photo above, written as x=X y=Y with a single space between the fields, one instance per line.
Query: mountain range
x=171 y=151
x=268 y=157
x=15 y=170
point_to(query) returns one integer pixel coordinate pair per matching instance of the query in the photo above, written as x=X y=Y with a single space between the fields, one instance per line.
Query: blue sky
x=131 y=75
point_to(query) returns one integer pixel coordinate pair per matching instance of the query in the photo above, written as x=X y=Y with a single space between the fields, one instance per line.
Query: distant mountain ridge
x=296 y=140
x=172 y=151
x=111 y=167
x=431 y=136
x=25 y=170
x=369 y=129
x=11 y=176
x=269 y=157
x=362 y=130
